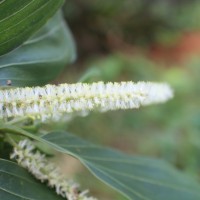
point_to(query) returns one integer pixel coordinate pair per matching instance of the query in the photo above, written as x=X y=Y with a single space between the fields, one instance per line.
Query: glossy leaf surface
x=41 y=58
x=17 y=184
x=20 y=19
x=138 y=178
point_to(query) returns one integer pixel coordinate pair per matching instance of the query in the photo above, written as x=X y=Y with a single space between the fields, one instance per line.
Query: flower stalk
x=55 y=101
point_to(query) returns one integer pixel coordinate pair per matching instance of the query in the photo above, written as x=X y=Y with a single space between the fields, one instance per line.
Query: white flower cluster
x=37 y=164
x=53 y=101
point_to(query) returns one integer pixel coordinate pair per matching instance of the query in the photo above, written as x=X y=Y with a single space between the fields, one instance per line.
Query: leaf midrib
x=119 y=183
x=146 y=180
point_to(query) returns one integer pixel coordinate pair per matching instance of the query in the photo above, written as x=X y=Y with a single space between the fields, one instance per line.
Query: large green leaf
x=17 y=184
x=41 y=58
x=137 y=178
x=20 y=19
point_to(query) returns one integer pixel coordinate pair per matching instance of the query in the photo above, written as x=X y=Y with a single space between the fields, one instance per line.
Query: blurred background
x=140 y=40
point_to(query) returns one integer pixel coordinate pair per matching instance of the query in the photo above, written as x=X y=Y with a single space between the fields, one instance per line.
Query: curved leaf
x=20 y=19
x=41 y=58
x=137 y=178
x=17 y=184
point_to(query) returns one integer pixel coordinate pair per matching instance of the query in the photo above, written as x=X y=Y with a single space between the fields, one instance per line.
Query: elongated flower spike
x=37 y=164
x=53 y=101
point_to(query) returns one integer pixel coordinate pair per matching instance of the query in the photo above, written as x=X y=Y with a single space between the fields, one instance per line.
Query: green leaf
x=41 y=58
x=17 y=184
x=20 y=19
x=137 y=178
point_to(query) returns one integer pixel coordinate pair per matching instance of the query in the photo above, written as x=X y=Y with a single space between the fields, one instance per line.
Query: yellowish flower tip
x=37 y=164
x=54 y=101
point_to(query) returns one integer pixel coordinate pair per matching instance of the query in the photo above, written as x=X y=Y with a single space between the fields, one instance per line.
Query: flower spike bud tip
x=55 y=101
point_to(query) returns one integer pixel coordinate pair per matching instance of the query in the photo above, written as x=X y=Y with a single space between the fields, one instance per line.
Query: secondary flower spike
x=54 y=101
x=27 y=156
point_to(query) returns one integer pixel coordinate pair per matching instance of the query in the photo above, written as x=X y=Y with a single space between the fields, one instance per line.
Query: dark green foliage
x=20 y=19
x=136 y=177
x=41 y=58
x=17 y=184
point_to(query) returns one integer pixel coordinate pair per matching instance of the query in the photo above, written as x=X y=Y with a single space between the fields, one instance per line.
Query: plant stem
x=10 y=140
x=18 y=131
x=17 y=120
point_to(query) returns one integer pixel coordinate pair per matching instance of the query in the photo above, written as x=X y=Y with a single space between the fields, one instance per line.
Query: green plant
x=33 y=52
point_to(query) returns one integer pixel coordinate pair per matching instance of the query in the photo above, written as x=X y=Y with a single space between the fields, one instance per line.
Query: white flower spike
x=37 y=164
x=52 y=101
